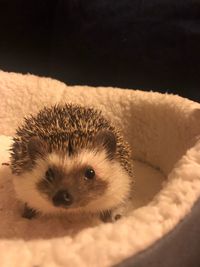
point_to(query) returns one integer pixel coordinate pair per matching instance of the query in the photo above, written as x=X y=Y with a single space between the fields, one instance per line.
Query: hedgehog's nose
x=62 y=197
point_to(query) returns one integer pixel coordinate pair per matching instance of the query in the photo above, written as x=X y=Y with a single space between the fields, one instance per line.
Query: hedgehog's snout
x=62 y=198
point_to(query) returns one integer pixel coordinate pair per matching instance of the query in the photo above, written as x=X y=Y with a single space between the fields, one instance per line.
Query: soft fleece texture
x=163 y=131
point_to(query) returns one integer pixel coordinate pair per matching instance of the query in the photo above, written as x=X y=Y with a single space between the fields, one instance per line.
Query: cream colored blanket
x=163 y=131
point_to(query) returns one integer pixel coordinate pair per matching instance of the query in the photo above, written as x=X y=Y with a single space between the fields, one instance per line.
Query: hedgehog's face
x=89 y=180
x=71 y=184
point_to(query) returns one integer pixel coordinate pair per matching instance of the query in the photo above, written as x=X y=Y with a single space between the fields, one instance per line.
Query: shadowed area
x=129 y=44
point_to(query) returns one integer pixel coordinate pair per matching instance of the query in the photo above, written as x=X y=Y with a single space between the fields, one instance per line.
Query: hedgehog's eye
x=89 y=174
x=49 y=175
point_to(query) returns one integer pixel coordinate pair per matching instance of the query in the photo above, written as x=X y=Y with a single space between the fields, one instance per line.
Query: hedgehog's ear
x=107 y=140
x=36 y=147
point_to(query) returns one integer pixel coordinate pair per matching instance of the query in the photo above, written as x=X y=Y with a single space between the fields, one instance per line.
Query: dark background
x=145 y=44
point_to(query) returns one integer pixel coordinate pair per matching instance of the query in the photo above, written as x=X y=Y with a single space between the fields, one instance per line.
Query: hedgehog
x=68 y=159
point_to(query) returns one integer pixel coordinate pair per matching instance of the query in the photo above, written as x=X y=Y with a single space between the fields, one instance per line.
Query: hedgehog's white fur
x=110 y=171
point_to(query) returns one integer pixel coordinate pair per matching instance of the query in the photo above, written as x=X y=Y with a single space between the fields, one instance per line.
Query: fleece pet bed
x=162 y=227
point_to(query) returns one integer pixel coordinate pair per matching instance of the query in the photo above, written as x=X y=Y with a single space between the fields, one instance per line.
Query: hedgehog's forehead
x=85 y=157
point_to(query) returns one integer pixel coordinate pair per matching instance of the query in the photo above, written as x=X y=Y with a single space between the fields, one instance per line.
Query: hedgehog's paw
x=28 y=213
x=113 y=215
x=122 y=210
x=105 y=216
x=117 y=213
